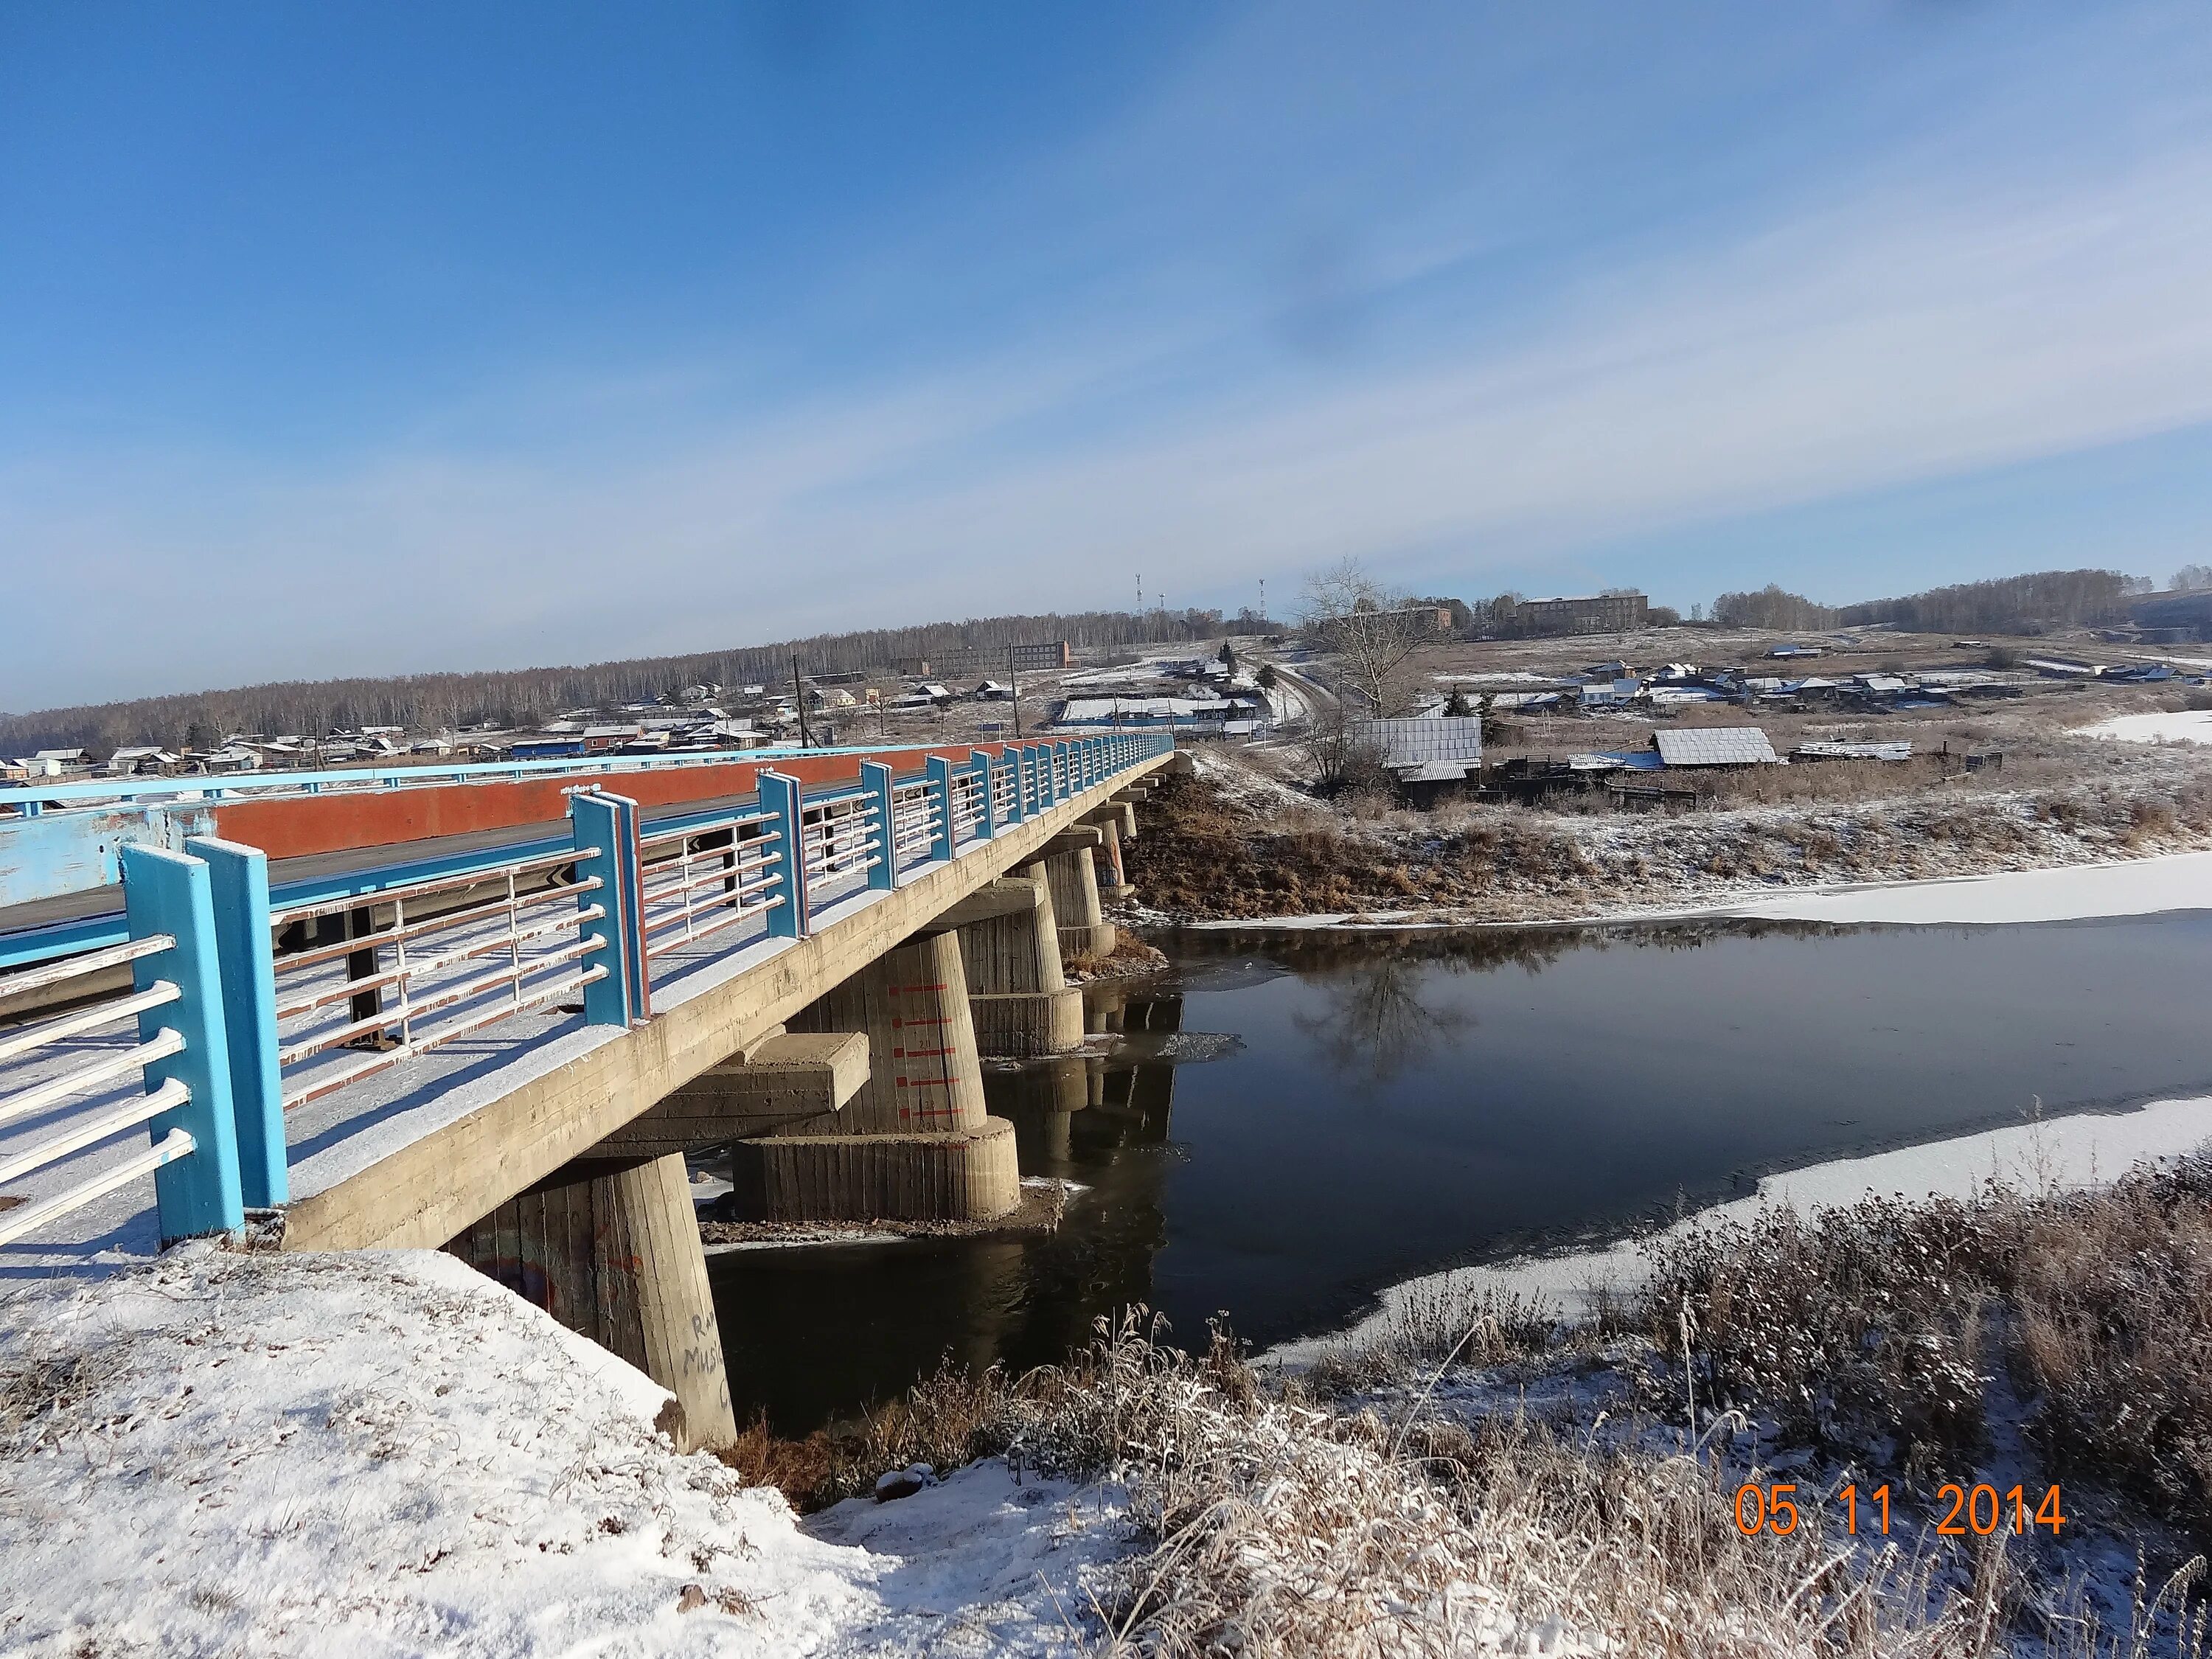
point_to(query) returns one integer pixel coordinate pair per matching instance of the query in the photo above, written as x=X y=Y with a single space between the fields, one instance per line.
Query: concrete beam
x=1074 y=839
x=791 y=1082
x=422 y=1194
x=1008 y=896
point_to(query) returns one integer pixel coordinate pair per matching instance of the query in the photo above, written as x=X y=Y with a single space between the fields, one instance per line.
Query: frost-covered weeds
x=1886 y=1326
x=1482 y=1476
x=1288 y=1521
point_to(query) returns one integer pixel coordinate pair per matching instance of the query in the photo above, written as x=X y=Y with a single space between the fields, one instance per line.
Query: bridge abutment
x=611 y=1250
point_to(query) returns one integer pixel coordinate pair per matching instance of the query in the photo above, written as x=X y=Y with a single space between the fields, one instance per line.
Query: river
x=1287 y=1122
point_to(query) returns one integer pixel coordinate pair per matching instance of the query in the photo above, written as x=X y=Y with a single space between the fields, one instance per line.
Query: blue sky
x=367 y=339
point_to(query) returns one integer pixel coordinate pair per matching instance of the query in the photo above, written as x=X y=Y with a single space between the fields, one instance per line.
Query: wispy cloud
x=1902 y=322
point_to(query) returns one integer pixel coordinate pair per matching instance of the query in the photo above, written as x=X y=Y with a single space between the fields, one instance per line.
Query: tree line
x=2007 y=604
x=529 y=696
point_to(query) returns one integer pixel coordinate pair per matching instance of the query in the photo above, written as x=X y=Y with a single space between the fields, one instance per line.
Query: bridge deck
x=464 y=1125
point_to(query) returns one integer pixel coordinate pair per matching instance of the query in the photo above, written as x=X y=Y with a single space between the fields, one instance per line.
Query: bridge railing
x=702 y=880
x=842 y=841
x=246 y=1011
x=175 y=1056
x=360 y=986
x=915 y=813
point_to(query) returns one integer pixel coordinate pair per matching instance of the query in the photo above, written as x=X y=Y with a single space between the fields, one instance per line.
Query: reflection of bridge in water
x=814 y=1333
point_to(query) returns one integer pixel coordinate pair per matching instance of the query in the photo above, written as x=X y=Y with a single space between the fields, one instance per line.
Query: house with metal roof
x=1716 y=745
x=1429 y=756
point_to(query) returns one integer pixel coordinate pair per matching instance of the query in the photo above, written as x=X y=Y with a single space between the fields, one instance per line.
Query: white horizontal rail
x=18 y=1223
x=105 y=1069
x=90 y=1131
x=37 y=979
x=156 y=995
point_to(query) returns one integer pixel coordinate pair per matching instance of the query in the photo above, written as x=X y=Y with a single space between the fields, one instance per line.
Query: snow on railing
x=246 y=1011
x=99 y=1070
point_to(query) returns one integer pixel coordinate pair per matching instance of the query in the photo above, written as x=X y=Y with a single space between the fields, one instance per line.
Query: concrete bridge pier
x=915 y=1142
x=1019 y=996
x=1116 y=824
x=1086 y=935
x=611 y=1248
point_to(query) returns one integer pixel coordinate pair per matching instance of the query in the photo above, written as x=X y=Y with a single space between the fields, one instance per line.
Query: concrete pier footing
x=915 y=1143
x=611 y=1250
x=967 y=1175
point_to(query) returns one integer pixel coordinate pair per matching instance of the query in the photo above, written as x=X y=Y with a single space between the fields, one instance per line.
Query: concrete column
x=611 y=1250
x=1019 y=997
x=915 y=1142
x=1106 y=860
x=1084 y=932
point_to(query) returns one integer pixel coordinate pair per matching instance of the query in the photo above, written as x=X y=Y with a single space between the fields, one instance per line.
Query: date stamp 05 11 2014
x=1980 y=1509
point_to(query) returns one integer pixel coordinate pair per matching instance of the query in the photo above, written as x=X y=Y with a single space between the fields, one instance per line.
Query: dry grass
x=1241 y=849
x=1884 y=1325
x=1275 y=1526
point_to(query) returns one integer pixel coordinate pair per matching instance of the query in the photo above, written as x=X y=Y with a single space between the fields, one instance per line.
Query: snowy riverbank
x=2129 y=887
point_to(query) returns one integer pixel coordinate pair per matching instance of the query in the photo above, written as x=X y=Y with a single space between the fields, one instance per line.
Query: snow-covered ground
x=387 y=1453
x=2132 y=887
x=2188 y=725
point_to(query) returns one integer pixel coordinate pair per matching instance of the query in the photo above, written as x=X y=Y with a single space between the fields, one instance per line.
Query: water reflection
x=1375 y=1025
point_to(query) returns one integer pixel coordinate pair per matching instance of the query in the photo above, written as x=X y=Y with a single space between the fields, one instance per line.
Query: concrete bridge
x=492 y=1008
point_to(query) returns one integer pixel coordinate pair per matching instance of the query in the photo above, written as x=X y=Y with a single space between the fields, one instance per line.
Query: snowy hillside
x=387 y=1453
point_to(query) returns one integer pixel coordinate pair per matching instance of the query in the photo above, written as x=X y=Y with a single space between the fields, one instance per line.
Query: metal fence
x=702 y=880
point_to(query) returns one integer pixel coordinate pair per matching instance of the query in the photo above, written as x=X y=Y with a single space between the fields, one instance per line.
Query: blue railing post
x=238 y=882
x=165 y=892
x=941 y=837
x=603 y=831
x=779 y=800
x=987 y=813
x=1063 y=770
x=876 y=780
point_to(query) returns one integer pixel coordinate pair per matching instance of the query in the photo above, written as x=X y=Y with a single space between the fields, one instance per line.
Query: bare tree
x=1369 y=628
x=1344 y=756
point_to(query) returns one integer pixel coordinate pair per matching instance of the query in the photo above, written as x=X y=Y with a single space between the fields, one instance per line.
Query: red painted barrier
x=300 y=826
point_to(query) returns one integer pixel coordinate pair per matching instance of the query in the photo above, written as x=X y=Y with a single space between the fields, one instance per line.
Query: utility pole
x=1014 y=692
x=798 y=700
